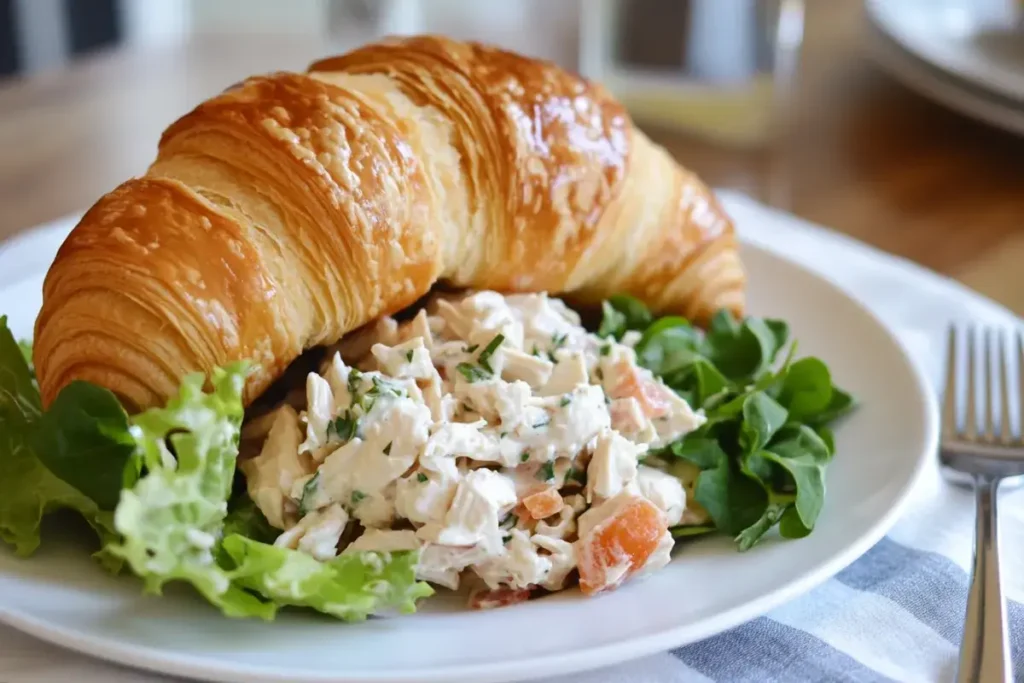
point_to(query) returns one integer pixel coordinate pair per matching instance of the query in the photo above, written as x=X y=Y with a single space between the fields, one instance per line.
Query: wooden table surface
x=872 y=159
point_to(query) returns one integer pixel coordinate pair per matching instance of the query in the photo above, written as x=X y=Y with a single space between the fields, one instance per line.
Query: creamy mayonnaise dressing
x=493 y=433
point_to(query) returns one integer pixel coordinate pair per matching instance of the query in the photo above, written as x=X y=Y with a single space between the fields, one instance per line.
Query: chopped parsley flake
x=485 y=356
x=566 y=400
x=535 y=351
x=383 y=387
x=344 y=426
x=525 y=456
x=308 y=493
x=421 y=478
x=558 y=340
x=599 y=375
x=472 y=373
x=387 y=449
x=471 y=349
x=408 y=355
x=542 y=422
x=355 y=378
x=546 y=471
x=502 y=435
x=357 y=496
x=605 y=349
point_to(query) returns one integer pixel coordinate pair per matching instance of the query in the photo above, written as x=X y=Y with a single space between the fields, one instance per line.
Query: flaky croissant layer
x=294 y=208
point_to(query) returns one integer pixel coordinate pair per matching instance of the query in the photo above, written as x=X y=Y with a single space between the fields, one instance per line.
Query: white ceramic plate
x=61 y=596
x=939 y=86
x=978 y=41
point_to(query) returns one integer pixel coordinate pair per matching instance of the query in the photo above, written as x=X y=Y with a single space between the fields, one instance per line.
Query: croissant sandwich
x=402 y=230
x=296 y=207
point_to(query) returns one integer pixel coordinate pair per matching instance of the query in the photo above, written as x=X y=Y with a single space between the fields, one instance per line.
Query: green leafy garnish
x=28 y=490
x=245 y=519
x=83 y=439
x=690 y=531
x=613 y=321
x=380 y=387
x=309 y=492
x=621 y=313
x=165 y=477
x=472 y=373
x=763 y=451
x=546 y=471
x=357 y=497
x=383 y=387
x=344 y=427
x=485 y=356
x=421 y=478
x=171 y=519
x=351 y=586
x=26 y=352
x=355 y=381
x=557 y=341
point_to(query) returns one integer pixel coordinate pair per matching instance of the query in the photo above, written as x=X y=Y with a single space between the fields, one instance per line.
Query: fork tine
x=970 y=414
x=1005 y=428
x=949 y=417
x=990 y=384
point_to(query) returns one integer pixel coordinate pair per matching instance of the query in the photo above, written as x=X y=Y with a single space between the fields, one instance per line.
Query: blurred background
x=899 y=122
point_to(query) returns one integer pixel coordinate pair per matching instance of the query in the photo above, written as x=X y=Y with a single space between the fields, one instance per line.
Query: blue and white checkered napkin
x=895 y=614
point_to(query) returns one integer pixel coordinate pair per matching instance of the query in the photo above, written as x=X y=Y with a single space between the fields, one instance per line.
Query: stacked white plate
x=965 y=54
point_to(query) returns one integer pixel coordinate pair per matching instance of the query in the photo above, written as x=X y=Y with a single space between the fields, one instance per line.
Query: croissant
x=296 y=207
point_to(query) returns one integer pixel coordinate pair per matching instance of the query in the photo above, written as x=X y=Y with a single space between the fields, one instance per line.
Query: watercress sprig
x=762 y=454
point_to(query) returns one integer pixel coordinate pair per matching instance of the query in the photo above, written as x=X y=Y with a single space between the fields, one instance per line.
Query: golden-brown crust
x=546 y=149
x=295 y=207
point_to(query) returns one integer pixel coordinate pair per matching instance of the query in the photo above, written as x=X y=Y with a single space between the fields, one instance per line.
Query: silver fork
x=980 y=448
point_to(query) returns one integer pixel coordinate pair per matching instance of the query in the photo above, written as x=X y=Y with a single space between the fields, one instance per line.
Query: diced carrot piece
x=648 y=392
x=543 y=504
x=487 y=599
x=627 y=538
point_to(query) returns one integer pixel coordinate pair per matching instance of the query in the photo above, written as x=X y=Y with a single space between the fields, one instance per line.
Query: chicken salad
x=485 y=442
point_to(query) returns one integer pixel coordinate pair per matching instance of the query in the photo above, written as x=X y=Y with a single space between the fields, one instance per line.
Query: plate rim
x=169 y=662
x=930 y=83
x=1005 y=84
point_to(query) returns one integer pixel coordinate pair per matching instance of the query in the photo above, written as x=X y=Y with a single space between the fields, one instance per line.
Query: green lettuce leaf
x=83 y=438
x=172 y=518
x=28 y=490
x=245 y=519
x=351 y=586
x=26 y=351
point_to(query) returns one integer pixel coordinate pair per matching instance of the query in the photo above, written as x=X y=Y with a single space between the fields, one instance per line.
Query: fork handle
x=985 y=651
